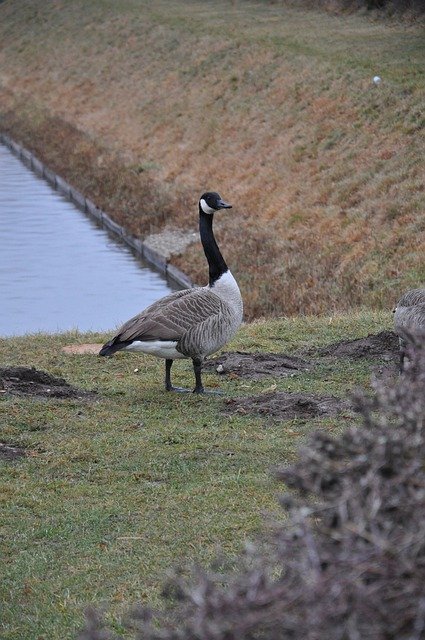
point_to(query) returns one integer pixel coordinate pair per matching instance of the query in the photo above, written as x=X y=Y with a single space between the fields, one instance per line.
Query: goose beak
x=223 y=205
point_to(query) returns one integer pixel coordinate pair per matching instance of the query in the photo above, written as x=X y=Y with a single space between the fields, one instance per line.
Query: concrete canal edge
x=140 y=248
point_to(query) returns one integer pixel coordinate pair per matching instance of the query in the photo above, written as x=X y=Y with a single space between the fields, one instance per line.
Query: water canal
x=58 y=270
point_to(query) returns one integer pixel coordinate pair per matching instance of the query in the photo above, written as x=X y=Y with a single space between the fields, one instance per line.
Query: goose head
x=210 y=202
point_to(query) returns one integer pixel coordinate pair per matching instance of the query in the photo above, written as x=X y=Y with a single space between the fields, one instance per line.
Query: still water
x=58 y=270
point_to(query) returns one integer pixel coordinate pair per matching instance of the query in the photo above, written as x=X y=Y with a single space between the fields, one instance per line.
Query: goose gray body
x=193 y=323
x=409 y=319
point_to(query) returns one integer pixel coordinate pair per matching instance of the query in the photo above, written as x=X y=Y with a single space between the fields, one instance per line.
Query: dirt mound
x=383 y=344
x=282 y=405
x=10 y=452
x=31 y=381
x=257 y=365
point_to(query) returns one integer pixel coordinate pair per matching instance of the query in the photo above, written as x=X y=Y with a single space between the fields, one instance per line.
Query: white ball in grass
x=377 y=80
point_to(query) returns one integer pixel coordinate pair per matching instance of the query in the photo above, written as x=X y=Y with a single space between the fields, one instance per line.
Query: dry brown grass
x=145 y=105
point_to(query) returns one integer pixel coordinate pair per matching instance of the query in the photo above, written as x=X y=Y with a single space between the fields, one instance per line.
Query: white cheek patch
x=205 y=208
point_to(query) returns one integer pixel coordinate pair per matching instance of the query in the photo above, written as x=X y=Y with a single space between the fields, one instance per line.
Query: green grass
x=116 y=490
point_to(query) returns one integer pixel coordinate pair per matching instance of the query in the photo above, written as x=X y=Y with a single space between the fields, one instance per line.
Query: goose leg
x=197 y=368
x=402 y=355
x=168 y=385
x=199 y=387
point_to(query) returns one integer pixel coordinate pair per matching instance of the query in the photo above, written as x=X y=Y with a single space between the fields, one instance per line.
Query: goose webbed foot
x=208 y=392
x=202 y=390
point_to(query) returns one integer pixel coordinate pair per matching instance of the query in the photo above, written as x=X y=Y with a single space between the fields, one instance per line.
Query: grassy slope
x=114 y=492
x=274 y=107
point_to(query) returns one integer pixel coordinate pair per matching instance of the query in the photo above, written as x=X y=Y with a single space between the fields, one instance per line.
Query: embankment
x=143 y=106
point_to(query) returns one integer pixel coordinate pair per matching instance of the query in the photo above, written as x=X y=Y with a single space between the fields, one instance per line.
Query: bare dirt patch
x=383 y=344
x=257 y=365
x=10 y=452
x=92 y=348
x=282 y=405
x=32 y=382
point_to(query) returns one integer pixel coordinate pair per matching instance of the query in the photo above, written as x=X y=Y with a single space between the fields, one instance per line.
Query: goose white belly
x=159 y=348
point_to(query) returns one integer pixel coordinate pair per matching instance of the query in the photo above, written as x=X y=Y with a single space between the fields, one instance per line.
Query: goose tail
x=112 y=346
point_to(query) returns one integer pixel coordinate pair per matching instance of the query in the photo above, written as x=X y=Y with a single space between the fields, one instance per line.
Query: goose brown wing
x=171 y=317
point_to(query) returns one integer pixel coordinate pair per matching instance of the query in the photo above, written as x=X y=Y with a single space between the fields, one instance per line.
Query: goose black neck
x=216 y=263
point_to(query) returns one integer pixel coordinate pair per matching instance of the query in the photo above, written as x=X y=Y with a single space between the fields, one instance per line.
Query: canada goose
x=193 y=323
x=409 y=319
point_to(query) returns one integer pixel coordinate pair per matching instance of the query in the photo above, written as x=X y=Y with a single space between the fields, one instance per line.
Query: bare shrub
x=349 y=561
